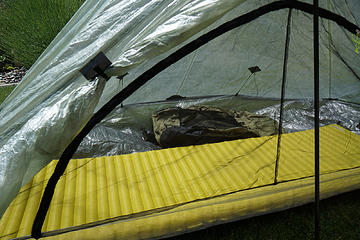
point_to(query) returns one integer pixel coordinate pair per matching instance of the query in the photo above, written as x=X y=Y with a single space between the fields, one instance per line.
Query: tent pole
x=316 y=108
x=283 y=86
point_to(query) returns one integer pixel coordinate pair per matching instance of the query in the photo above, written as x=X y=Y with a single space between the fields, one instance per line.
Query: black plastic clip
x=96 y=67
x=254 y=69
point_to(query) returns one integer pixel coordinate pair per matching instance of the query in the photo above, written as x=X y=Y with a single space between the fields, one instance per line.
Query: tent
x=89 y=97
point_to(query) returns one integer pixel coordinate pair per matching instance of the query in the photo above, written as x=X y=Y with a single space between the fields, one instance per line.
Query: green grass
x=28 y=26
x=339 y=219
x=5 y=91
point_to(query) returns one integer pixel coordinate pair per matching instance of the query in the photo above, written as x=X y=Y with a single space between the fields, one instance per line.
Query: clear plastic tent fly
x=237 y=55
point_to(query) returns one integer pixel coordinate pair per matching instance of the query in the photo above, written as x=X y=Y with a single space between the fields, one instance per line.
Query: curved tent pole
x=149 y=74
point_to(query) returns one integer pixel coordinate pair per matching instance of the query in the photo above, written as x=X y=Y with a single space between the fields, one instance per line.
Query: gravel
x=13 y=76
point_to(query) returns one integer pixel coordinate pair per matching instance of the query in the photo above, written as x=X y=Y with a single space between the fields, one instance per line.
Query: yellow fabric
x=235 y=206
x=163 y=192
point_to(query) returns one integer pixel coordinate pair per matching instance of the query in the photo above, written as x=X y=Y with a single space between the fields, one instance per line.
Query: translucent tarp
x=128 y=32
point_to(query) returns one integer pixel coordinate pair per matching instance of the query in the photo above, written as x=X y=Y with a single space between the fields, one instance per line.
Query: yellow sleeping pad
x=170 y=191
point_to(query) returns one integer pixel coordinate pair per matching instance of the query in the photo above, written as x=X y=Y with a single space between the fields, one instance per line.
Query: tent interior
x=120 y=182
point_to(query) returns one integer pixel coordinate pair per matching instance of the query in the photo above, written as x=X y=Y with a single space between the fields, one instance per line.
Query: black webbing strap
x=149 y=74
x=96 y=67
x=101 y=73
